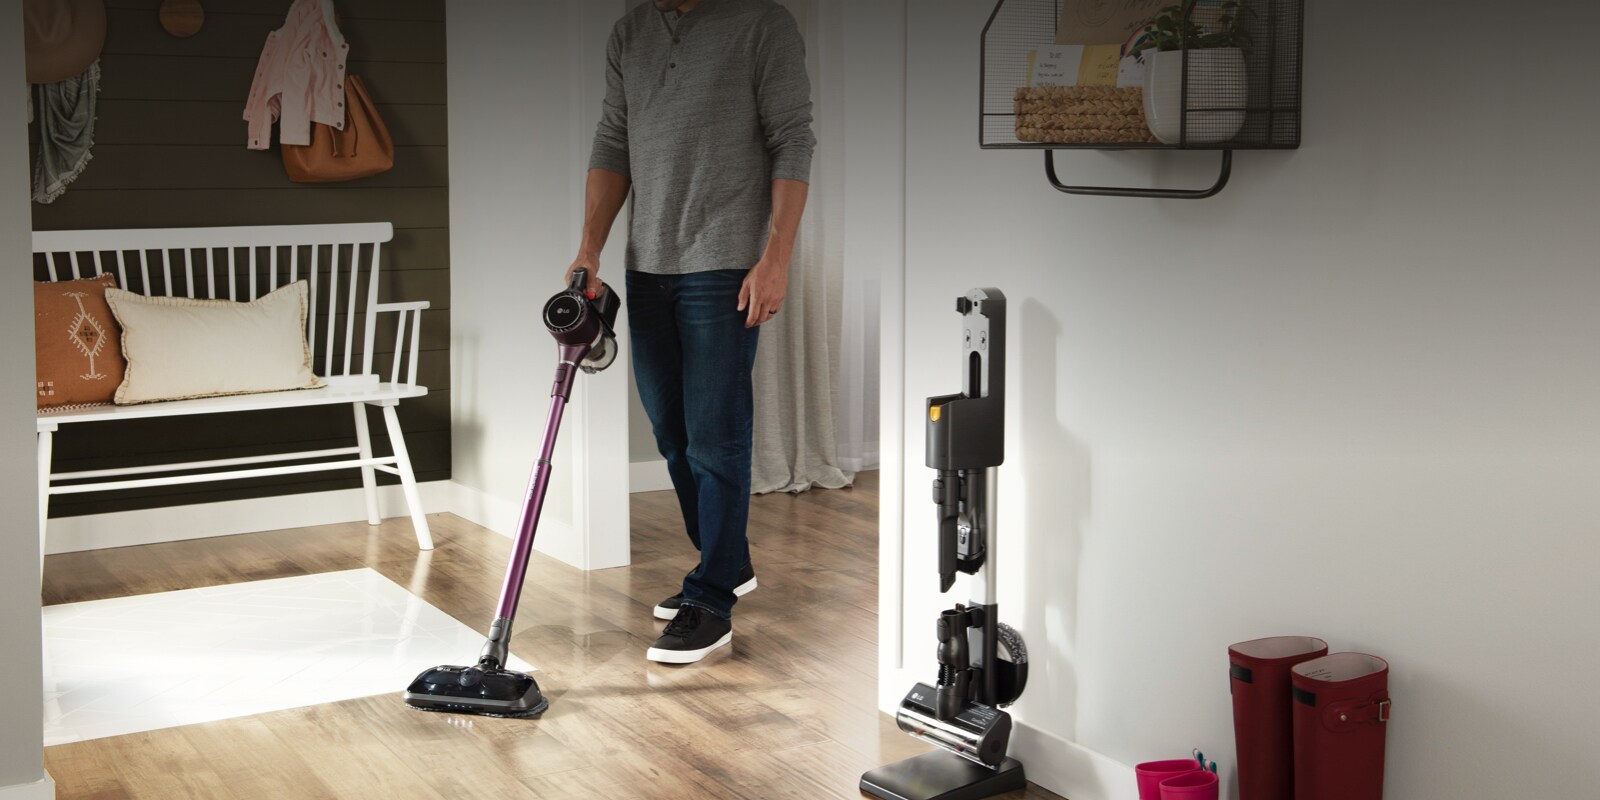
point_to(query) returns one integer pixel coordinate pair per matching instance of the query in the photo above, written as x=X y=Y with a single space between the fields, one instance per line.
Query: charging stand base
x=939 y=775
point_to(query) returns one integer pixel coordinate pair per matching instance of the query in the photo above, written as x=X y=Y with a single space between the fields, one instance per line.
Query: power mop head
x=483 y=689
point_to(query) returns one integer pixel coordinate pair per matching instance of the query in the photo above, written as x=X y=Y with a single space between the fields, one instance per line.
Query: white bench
x=340 y=263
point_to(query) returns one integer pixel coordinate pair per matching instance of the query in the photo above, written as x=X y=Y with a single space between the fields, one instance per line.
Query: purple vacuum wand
x=583 y=331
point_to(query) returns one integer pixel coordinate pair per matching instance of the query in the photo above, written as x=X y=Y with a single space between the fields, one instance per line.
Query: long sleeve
x=783 y=97
x=261 y=108
x=611 y=136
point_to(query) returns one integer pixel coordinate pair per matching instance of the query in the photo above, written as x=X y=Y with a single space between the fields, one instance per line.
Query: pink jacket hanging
x=300 y=77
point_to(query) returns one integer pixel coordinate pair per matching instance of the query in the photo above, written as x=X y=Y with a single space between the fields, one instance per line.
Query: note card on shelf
x=1074 y=65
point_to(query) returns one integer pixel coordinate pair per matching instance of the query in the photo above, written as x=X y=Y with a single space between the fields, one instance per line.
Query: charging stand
x=940 y=775
x=983 y=663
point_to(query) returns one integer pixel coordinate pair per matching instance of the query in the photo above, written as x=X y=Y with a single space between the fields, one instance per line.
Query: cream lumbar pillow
x=178 y=348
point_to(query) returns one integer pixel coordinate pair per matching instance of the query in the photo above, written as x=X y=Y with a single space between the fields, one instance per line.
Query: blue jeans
x=692 y=358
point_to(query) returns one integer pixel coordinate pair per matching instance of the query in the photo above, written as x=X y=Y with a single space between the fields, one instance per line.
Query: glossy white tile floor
x=131 y=664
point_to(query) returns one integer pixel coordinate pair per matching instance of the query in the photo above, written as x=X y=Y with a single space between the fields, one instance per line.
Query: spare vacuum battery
x=976 y=732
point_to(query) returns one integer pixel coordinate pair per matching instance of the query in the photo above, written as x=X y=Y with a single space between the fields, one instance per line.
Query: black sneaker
x=668 y=608
x=691 y=636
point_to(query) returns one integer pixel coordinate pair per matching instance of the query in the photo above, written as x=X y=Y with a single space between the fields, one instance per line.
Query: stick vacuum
x=586 y=340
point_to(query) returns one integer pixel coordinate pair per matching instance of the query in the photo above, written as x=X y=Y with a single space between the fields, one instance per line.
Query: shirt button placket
x=672 y=59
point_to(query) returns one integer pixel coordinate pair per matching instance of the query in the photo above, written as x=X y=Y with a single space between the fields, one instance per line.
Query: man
x=708 y=121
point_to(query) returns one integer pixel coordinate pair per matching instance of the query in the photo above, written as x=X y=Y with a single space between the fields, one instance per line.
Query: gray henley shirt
x=702 y=112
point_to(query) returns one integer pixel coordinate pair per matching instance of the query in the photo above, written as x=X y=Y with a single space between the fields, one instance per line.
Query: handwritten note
x=1074 y=65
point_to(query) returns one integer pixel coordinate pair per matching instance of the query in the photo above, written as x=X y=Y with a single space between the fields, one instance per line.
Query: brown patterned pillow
x=78 y=344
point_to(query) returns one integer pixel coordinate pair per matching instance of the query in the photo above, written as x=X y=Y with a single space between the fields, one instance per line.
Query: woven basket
x=1081 y=115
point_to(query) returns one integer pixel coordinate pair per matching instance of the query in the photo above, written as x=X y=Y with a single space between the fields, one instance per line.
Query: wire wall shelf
x=1222 y=100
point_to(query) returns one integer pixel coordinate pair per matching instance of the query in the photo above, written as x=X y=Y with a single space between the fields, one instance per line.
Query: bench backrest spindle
x=350 y=312
x=331 y=318
x=369 y=338
x=333 y=308
x=311 y=303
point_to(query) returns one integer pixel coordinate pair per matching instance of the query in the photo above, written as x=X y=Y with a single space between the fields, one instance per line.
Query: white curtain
x=816 y=381
x=856 y=396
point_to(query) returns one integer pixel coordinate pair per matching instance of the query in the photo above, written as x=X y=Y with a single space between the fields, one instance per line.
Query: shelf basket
x=1219 y=107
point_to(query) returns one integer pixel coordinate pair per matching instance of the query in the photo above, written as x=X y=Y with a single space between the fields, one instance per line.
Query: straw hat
x=62 y=37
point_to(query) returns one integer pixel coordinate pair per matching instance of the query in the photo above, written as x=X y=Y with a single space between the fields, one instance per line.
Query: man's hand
x=764 y=288
x=592 y=264
x=761 y=296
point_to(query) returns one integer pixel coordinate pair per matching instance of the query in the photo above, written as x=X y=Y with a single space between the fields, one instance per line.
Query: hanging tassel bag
x=362 y=149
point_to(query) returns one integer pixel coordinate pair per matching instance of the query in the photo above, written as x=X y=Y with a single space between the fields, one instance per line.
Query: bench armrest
x=410 y=317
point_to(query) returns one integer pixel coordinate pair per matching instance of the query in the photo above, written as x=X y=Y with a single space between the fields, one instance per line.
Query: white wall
x=525 y=84
x=22 y=725
x=1357 y=395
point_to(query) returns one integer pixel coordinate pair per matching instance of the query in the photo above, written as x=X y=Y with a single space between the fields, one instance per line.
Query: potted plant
x=1211 y=39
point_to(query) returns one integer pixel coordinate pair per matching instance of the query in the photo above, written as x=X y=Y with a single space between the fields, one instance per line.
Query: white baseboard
x=205 y=520
x=1070 y=769
x=44 y=789
x=556 y=538
x=649 y=476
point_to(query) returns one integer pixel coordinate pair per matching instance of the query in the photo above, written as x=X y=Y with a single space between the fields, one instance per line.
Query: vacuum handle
x=604 y=303
x=579 y=282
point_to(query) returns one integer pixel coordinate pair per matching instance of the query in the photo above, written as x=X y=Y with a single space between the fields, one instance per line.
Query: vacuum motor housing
x=576 y=320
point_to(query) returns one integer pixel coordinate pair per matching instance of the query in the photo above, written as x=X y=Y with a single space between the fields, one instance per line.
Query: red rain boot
x=1263 y=722
x=1341 y=715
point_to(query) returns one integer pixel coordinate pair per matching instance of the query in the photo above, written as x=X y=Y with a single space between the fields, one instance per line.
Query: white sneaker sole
x=686 y=656
x=664 y=613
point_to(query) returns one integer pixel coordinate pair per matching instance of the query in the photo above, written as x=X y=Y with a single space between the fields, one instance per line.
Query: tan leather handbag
x=361 y=150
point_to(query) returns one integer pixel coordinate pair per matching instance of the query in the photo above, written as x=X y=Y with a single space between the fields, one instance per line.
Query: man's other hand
x=761 y=296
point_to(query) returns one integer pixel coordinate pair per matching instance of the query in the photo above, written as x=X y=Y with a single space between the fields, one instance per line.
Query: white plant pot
x=1217 y=81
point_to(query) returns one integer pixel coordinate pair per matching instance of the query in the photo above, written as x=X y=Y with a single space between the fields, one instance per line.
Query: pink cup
x=1152 y=773
x=1198 y=785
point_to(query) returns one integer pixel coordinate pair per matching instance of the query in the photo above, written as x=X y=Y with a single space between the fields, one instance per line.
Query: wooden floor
x=788 y=713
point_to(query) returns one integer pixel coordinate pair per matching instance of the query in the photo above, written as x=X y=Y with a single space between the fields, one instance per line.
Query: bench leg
x=369 y=478
x=408 y=479
x=45 y=441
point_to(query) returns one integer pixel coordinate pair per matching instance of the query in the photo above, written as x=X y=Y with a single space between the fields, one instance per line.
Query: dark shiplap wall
x=170 y=152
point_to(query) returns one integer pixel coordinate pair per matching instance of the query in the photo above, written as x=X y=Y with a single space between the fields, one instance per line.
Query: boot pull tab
x=1345 y=716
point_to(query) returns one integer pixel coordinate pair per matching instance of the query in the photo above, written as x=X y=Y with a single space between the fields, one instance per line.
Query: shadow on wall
x=466 y=426
x=1055 y=486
